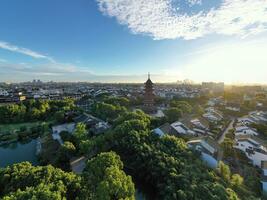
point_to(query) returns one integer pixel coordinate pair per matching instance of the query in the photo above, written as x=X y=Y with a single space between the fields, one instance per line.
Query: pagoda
x=149 y=96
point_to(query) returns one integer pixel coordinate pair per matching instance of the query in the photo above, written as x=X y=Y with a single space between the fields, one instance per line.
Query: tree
x=59 y=116
x=96 y=167
x=173 y=114
x=115 y=185
x=24 y=181
x=224 y=171
x=105 y=176
x=121 y=101
x=184 y=106
x=227 y=146
x=237 y=180
x=80 y=131
x=68 y=149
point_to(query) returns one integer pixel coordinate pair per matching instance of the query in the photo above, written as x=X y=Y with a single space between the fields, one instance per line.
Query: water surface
x=18 y=152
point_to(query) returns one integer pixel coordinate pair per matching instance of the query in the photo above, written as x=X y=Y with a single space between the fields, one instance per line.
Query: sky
x=123 y=40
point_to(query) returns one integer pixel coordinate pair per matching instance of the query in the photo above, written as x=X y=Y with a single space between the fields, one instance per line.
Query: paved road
x=230 y=126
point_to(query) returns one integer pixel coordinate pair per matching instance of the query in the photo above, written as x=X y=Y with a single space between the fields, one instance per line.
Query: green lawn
x=15 y=127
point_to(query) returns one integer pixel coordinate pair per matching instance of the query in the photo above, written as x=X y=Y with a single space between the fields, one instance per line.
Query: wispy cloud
x=55 y=69
x=160 y=20
x=3 y=60
x=25 y=51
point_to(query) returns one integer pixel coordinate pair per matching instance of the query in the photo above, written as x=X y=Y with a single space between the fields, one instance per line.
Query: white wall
x=264 y=188
x=257 y=158
x=209 y=160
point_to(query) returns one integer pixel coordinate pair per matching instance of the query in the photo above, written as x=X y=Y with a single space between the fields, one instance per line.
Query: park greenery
x=128 y=152
x=34 y=110
x=10 y=133
x=31 y=119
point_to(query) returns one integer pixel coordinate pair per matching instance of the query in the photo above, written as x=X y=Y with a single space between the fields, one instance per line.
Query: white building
x=210 y=151
x=197 y=123
x=254 y=148
x=246 y=120
x=258 y=116
x=244 y=130
x=254 y=117
x=212 y=115
x=3 y=92
x=176 y=128
x=180 y=128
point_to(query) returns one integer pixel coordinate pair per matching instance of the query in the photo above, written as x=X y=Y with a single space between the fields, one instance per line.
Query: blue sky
x=122 y=40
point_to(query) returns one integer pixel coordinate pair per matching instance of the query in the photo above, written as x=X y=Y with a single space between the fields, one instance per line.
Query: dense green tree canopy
x=105 y=177
x=24 y=181
x=165 y=164
x=33 y=110
x=173 y=114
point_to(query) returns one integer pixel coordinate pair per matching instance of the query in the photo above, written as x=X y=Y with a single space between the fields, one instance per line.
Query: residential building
x=254 y=148
x=209 y=149
x=245 y=130
x=176 y=128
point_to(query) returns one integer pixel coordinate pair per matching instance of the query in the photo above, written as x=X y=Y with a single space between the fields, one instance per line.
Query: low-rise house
x=253 y=117
x=3 y=92
x=232 y=106
x=176 y=128
x=164 y=129
x=244 y=130
x=258 y=116
x=212 y=115
x=210 y=150
x=200 y=123
x=95 y=124
x=181 y=129
x=254 y=148
x=100 y=127
x=246 y=120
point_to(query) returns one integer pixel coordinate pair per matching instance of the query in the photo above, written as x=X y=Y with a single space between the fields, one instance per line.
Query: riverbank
x=11 y=133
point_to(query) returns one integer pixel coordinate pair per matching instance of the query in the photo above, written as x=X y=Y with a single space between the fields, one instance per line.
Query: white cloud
x=28 y=52
x=159 y=19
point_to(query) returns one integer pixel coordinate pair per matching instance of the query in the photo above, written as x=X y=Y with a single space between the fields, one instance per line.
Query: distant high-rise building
x=149 y=96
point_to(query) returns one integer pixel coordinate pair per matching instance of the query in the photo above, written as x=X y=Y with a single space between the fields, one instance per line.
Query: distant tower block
x=149 y=96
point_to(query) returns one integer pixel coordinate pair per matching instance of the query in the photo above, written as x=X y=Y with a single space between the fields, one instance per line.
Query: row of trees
x=34 y=110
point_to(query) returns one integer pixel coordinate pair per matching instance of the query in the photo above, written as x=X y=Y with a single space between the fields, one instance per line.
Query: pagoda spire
x=148 y=75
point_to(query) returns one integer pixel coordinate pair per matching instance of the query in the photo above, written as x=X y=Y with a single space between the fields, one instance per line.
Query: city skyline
x=120 y=41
